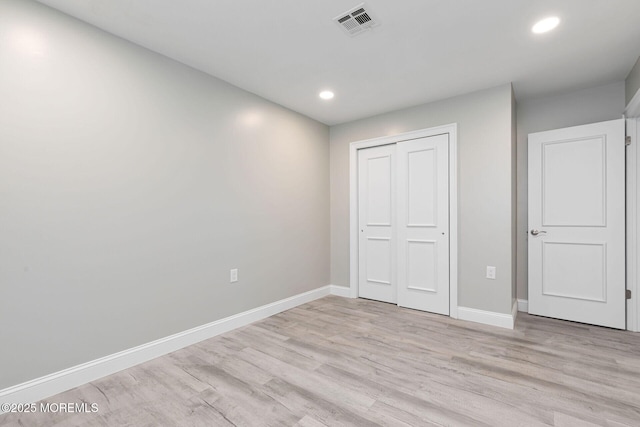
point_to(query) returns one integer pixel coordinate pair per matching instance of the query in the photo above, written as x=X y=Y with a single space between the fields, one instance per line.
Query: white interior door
x=376 y=211
x=423 y=224
x=577 y=224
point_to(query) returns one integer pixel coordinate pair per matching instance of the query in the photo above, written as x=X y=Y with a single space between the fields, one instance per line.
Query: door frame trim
x=633 y=252
x=452 y=130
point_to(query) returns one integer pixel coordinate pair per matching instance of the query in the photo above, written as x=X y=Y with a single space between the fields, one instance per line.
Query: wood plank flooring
x=343 y=362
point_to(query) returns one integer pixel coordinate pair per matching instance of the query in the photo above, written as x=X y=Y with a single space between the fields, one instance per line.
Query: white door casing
x=577 y=224
x=633 y=235
x=377 y=219
x=354 y=230
x=423 y=223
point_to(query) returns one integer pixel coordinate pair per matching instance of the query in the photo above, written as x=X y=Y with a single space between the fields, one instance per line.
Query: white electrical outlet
x=234 y=275
x=491 y=272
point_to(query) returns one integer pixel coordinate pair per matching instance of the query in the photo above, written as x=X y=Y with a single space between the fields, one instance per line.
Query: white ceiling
x=424 y=50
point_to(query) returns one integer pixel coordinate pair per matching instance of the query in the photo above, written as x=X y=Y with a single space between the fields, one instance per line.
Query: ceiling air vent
x=356 y=20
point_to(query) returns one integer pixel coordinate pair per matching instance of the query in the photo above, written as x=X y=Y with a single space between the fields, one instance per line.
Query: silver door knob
x=536 y=232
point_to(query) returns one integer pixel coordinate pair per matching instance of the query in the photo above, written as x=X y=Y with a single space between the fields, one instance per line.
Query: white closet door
x=577 y=224
x=423 y=224
x=376 y=207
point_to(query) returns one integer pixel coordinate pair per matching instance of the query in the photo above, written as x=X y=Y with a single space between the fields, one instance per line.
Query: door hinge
x=627 y=140
x=628 y=293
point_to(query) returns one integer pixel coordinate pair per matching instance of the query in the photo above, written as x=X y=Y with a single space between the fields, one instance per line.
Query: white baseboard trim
x=49 y=385
x=523 y=305
x=341 y=291
x=487 y=317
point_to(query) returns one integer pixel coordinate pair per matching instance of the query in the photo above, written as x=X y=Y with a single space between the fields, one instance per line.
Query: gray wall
x=485 y=188
x=129 y=186
x=632 y=83
x=571 y=109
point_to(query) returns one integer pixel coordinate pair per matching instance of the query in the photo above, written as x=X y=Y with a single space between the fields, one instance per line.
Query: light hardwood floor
x=339 y=362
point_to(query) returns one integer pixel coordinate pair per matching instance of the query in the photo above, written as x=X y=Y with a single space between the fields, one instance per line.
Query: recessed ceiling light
x=326 y=94
x=546 y=24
